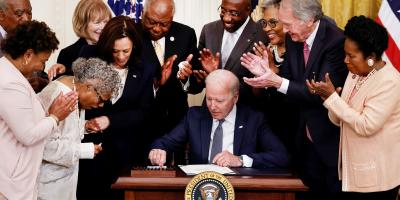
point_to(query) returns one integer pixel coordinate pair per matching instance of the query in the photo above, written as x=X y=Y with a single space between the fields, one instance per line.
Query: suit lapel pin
x=134 y=75
x=248 y=40
x=172 y=38
x=241 y=126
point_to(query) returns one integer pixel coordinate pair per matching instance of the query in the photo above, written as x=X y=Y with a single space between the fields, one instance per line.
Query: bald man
x=162 y=40
x=223 y=133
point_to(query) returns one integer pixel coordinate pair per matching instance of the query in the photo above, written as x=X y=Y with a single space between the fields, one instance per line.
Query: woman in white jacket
x=95 y=82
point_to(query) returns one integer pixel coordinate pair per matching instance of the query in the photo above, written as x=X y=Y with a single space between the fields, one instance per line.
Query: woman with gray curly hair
x=95 y=82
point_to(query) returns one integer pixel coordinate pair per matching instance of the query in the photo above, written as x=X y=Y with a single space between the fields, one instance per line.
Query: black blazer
x=327 y=55
x=211 y=38
x=170 y=103
x=123 y=139
x=69 y=54
x=252 y=137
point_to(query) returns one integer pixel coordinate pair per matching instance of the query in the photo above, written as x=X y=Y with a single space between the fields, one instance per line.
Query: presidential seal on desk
x=209 y=186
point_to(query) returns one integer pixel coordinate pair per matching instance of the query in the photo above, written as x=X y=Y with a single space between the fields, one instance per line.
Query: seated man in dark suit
x=225 y=134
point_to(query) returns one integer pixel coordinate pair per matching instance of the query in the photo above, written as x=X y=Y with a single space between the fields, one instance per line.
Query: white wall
x=58 y=15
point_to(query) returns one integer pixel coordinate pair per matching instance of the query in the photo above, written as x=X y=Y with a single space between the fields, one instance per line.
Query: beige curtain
x=343 y=10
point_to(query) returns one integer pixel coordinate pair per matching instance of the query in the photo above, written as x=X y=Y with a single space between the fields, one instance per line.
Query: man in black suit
x=222 y=42
x=314 y=47
x=223 y=133
x=164 y=40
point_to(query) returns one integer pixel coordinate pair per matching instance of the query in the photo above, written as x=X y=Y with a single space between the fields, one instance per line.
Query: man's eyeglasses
x=271 y=22
x=232 y=13
x=99 y=98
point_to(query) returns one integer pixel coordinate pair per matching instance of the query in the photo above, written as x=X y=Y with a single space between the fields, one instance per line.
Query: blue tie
x=217 y=141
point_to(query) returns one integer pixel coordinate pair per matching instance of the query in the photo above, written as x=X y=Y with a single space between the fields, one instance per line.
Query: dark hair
x=29 y=35
x=117 y=28
x=370 y=36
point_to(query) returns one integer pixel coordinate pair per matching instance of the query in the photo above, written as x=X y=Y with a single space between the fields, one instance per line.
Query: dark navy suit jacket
x=326 y=55
x=252 y=137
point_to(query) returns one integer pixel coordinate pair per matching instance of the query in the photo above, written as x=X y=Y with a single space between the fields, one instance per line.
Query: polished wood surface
x=246 y=187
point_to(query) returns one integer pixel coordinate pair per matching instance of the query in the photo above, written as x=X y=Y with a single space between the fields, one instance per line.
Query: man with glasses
x=165 y=40
x=222 y=42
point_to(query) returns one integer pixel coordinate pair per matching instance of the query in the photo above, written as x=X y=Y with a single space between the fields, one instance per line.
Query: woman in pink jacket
x=368 y=113
x=24 y=124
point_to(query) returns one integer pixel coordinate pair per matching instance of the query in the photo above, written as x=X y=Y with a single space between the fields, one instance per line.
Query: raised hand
x=322 y=89
x=255 y=64
x=259 y=48
x=200 y=75
x=54 y=70
x=208 y=60
x=158 y=157
x=166 y=70
x=185 y=69
x=63 y=105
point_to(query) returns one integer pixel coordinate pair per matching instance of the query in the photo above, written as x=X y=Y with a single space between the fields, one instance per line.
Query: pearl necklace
x=276 y=54
x=362 y=80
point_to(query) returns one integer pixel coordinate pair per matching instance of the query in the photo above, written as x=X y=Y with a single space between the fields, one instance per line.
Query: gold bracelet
x=55 y=118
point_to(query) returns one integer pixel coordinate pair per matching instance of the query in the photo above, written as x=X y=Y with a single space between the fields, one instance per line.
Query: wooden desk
x=246 y=187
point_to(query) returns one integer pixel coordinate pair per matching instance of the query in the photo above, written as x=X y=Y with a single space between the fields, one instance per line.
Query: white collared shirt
x=3 y=32
x=310 y=41
x=228 y=136
x=233 y=37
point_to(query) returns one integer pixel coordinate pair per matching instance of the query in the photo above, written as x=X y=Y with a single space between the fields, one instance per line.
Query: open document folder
x=197 y=169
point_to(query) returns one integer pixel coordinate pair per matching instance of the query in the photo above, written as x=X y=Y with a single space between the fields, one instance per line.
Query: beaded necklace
x=361 y=80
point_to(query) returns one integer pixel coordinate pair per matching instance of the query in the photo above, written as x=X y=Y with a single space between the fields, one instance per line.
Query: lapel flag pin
x=240 y=126
x=172 y=38
x=134 y=76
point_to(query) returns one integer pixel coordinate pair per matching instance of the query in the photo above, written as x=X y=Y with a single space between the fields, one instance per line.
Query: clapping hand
x=185 y=69
x=323 y=89
x=255 y=64
x=265 y=77
x=208 y=60
x=166 y=70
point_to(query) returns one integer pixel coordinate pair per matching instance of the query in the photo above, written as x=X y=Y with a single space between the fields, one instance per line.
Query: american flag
x=131 y=8
x=389 y=17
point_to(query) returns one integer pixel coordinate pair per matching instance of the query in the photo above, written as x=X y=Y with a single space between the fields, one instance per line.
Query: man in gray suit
x=222 y=43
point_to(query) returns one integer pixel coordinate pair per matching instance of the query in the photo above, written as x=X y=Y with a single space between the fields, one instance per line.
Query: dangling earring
x=370 y=62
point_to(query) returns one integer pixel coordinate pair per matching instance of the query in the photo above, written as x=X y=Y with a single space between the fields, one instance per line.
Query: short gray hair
x=306 y=9
x=269 y=3
x=96 y=71
x=148 y=3
x=224 y=78
x=3 y=5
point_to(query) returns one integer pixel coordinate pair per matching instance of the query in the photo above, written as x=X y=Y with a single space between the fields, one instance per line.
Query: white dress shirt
x=233 y=38
x=228 y=136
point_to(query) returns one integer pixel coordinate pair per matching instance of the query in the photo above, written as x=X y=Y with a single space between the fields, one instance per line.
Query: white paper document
x=197 y=169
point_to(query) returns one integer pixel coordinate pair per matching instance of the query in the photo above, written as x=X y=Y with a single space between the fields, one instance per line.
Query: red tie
x=306 y=52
